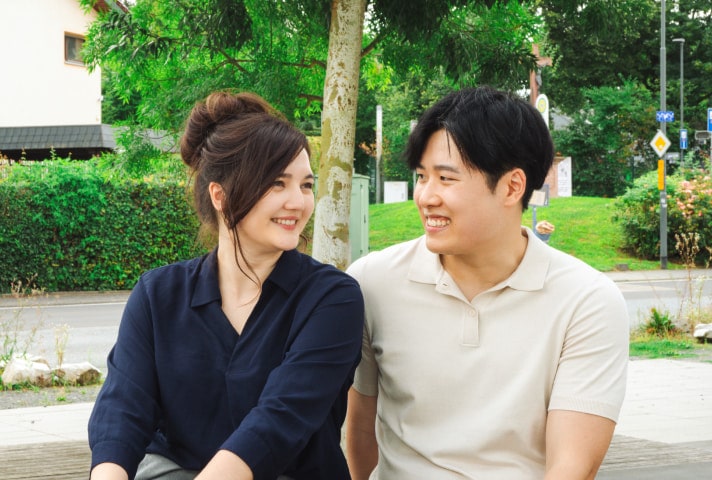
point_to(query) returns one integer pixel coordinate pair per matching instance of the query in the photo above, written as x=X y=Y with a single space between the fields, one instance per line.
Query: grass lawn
x=584 y=229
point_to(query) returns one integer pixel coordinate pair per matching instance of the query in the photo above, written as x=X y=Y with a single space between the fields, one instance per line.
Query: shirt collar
x=286 y=275
x=529 y=275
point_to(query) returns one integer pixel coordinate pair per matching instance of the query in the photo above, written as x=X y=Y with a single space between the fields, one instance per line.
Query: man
x=487 y=354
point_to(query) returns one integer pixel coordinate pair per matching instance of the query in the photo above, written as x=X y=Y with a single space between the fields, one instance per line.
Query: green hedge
x=689 y=207
x=71 y=226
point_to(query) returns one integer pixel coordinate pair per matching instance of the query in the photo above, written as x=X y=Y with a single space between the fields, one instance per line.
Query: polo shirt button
x=472 y=313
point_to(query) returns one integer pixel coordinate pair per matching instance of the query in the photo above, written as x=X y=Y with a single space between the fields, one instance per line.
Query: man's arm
x=576 y=444
x=361 y=446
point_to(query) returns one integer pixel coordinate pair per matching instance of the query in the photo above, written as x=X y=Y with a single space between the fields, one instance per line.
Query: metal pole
x=663 y=192
x=681 y=41
x=379 y=150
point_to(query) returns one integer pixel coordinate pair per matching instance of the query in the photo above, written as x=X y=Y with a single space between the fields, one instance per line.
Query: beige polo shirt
x=464 y=387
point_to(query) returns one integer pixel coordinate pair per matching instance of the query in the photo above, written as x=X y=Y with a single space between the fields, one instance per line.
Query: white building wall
x=37 y=87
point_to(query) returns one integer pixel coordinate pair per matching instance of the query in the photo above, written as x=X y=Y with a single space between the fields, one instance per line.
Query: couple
x=485 y=353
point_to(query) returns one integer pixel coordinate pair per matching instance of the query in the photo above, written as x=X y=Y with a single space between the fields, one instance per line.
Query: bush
x=689 y=200
x=73 y=226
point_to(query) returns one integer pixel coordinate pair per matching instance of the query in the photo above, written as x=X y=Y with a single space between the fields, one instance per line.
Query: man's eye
x=308 y=186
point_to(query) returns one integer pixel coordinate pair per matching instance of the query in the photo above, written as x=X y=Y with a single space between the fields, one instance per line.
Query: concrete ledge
x=50 y=461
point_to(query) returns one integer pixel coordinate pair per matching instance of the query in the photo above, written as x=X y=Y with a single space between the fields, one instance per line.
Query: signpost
x=665 y=116
x=542 y=104
x=683 y=139
x=660 y=143
x=709 y=119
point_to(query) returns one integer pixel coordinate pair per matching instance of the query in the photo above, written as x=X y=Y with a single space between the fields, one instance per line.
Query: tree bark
x=338 y=133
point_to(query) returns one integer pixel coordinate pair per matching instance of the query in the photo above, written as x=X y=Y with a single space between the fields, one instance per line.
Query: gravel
x=43 y=397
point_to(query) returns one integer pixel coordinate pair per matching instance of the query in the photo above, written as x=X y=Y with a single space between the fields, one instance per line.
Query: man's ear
x=217 y=195
x=516 y=183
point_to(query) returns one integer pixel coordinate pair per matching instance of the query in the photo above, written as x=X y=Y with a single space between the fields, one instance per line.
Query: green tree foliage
x=174 y=53
x=691 y=20
x=599 y=43
x=608 y=139
x=592 y=43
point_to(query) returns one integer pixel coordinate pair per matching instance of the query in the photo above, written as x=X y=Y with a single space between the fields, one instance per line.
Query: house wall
x=37 y=87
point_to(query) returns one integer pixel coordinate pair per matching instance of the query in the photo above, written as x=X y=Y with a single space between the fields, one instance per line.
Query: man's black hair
x=494 y=132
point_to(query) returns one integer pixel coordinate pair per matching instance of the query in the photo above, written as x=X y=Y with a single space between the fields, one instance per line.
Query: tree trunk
x=338 y=133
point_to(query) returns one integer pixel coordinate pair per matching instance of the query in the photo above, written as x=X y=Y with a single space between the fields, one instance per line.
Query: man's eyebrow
x=441 y=168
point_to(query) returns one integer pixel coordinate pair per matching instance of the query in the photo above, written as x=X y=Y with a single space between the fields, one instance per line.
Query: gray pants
x=158 y=467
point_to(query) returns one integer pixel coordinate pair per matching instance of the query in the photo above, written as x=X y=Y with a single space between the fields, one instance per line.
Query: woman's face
x=276 y=222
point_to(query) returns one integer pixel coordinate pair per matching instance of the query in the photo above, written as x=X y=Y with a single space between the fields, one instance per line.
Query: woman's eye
x=278 y=183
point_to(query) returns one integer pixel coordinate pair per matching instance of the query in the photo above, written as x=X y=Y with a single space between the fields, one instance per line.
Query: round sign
x=542 y=103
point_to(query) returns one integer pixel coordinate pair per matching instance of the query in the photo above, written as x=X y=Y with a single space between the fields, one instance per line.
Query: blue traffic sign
x=664 y=116
x=683 y=139
x=709 y=119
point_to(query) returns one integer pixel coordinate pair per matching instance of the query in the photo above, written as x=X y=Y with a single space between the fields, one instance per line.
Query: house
x=48 y=97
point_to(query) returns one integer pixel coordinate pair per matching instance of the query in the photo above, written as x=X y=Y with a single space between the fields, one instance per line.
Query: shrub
x=689 y=201
x=74 y=226
x=660 y=324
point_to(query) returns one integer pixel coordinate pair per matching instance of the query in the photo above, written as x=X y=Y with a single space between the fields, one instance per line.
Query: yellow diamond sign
x=660 y=143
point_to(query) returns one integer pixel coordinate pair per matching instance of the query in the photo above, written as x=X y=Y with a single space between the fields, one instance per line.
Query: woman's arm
x=225 y=465
x=323 y=347
x=108 y=471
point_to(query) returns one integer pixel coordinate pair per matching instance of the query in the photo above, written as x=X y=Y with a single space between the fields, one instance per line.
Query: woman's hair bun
x=218 y=108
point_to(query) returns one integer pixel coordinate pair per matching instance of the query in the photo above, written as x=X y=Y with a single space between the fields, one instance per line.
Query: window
x=73 y=49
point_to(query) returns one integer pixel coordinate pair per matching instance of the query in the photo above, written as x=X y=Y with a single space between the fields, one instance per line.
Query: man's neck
x=482 y=269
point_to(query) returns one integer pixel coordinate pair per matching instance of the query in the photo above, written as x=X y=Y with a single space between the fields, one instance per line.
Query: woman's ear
x=217 y=195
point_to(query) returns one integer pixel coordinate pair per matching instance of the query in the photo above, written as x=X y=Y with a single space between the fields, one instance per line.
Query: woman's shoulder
x=184 y=271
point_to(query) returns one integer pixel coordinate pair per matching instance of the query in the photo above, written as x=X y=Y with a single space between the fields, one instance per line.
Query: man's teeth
x=285 y=222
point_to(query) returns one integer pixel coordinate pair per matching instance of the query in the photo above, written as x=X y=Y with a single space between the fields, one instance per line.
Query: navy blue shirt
x=182 y=383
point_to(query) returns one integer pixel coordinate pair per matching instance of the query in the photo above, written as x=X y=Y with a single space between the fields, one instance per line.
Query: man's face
x=460 y=214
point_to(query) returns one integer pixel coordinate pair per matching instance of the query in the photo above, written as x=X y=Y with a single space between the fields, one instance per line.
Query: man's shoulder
x=390 y=257
x=569 y=270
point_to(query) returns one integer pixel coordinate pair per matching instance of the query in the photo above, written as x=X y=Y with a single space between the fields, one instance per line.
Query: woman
x=234 y=365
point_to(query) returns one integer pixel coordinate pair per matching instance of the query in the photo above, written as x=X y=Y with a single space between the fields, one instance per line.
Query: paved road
x=93 y=318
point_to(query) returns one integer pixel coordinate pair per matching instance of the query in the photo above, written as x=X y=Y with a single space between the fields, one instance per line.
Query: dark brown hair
x=240 y=142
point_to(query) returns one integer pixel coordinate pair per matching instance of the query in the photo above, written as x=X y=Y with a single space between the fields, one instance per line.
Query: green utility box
x=358 y=218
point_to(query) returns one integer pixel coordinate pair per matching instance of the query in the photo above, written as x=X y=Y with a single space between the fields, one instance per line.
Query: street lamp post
x=681 y=41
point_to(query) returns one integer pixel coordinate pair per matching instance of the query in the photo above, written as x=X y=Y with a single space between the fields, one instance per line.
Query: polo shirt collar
x=286 y=275
x=529 y=275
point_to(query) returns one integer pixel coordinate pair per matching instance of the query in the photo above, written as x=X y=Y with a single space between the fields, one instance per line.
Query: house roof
x=57 y=137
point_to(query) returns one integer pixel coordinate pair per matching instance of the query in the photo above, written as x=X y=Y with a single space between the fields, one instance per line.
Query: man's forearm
x=361 y=445
x=361 y=454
